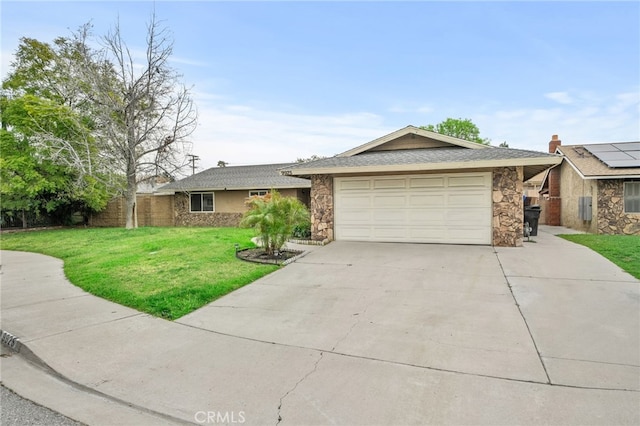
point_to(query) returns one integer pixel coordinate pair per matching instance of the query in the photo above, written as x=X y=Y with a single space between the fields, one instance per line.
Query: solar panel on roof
x=623 y=163
x=612 y=155
x=627 y=146
x=601 y=148
x=615 y=155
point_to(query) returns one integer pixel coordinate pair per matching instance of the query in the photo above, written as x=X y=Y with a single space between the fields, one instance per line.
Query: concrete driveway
x=443 y=307
x=499 y=320
x=352 y=333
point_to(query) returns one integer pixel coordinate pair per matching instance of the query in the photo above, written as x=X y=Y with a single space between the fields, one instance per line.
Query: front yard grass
x=166 y=272
x=623 y=250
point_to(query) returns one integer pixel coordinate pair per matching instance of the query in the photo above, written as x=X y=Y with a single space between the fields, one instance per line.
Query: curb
x=17 y=347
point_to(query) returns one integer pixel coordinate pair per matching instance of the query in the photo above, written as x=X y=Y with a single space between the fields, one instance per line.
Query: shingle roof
x=265 y=176
x=590 y=166
x=428 y=159
x=420 y=156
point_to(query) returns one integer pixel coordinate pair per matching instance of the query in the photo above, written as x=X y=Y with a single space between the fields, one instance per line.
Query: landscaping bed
x=259 y=255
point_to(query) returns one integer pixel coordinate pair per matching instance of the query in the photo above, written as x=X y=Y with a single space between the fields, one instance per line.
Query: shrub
x=274 y=218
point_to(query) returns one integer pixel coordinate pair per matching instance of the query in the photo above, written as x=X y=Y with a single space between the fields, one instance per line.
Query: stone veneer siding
x=322 y=208
x=508 y=206
x=183 y=217
x=611 y=216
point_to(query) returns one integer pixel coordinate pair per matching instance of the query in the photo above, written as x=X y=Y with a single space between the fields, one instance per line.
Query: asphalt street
x=17 y=411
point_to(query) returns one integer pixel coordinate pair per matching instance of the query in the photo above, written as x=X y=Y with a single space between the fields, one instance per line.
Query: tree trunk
x=132 y=209
x=24 y=219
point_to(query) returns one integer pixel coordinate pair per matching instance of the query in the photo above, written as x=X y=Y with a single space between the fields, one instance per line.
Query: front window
x=632 y=197
x=202 y=202
x=258 y=193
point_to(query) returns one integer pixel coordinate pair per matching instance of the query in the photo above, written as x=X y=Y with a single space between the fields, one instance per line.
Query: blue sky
x=274 y=81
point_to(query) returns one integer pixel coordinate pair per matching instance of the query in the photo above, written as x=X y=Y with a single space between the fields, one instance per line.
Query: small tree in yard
x=274 y=218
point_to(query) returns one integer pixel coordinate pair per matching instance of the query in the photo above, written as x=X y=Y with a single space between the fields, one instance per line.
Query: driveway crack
x=356 y=322
x=544 y=367
x=313 y=370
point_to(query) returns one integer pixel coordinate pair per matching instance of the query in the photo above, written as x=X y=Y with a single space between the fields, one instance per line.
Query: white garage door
x=446 y=208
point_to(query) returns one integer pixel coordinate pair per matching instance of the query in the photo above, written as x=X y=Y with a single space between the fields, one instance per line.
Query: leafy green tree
x=29 y=184
x=314 y=157
x=51 y=160
x=112 y=118
x=458 y=128
x=274 y=218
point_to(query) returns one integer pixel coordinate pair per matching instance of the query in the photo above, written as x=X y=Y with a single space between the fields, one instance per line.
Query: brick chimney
x=554 y=143
x=553 y=211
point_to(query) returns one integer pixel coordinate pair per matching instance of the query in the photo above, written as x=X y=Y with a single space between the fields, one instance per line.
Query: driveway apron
x=438 y=306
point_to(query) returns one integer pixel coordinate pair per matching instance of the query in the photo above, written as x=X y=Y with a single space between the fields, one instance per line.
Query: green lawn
x=167 y=272
x=623 y=250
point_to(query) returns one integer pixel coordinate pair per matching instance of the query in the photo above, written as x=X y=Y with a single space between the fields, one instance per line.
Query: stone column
x=508 y=206
x=321 y=207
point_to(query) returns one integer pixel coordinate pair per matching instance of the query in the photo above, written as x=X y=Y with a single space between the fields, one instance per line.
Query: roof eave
x=540 y=161
x=230 y=188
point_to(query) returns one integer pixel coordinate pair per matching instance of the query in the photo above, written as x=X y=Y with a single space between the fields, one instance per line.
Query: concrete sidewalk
x=574 y=335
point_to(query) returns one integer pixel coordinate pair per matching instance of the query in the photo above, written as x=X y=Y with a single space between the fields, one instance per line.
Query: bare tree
x=145 y=114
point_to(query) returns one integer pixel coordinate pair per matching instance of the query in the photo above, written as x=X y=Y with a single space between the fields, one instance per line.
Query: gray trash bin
x=532 y=215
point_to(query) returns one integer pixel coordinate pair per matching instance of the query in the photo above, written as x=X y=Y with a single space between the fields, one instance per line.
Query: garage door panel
x=355 y=201
x=433 y=200
x=431 y=233
x=391 y=233
x=389 y=183
x=390 y=216
x=357 y=216
x=467 y=181
x=467 y=199
x=445 y=208
x=382 y=201
x=427 y=182
x=426 y=216
x=356 y=233
x=347 y=185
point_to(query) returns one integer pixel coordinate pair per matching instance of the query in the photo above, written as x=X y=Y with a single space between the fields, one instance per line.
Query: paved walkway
x=352 y=333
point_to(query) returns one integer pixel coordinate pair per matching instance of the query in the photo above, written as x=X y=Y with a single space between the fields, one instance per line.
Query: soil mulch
x=259 y=255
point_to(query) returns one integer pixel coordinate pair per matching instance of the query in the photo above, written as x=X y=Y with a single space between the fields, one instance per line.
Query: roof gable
x=412 y=137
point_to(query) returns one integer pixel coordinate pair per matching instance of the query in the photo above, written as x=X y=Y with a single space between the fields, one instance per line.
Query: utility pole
x=193 y=159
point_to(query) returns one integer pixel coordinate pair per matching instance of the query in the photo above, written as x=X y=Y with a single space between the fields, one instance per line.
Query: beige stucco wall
x=572 y=187
x=229 y=208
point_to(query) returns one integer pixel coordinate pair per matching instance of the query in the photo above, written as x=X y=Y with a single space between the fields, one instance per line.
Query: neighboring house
x=532 y=189
x=217 y=196
x=596 y=188
x=418 y=186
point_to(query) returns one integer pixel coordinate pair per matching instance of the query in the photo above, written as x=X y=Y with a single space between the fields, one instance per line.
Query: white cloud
x=241 y=134
x=590 y=119
x=560 y=97
x=246 y=135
